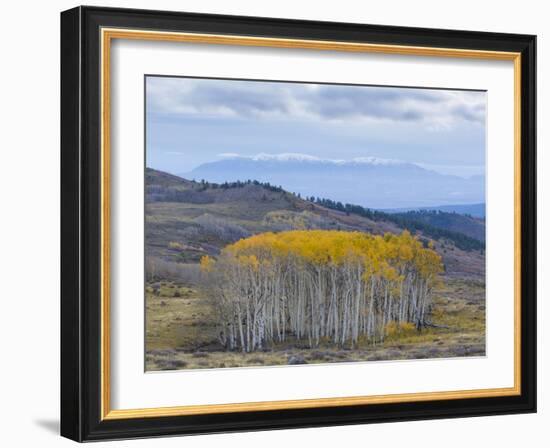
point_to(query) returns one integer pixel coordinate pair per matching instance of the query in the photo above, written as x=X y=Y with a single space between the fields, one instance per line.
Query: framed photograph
x=273 y=223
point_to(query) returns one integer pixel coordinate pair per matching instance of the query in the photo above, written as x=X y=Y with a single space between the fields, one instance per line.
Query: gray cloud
x=258 y=100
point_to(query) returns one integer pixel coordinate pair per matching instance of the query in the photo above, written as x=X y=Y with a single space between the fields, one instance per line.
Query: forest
x=342 y=287
x=415 y=221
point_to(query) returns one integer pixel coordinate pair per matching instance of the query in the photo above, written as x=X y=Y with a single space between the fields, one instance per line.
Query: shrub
x=396 y=329
x=221 y=228
x=156 y=268
x=174 y=245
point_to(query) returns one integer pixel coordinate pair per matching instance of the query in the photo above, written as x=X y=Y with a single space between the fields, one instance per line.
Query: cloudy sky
x=192 y=121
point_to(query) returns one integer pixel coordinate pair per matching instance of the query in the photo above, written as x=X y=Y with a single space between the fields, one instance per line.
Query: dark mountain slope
x=475 y=210
x=468 y=225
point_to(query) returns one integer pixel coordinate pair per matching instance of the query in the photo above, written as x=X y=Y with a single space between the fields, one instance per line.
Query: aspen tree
x=319 y=285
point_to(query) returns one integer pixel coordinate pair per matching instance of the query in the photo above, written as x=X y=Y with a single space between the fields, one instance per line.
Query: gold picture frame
x=108 y=30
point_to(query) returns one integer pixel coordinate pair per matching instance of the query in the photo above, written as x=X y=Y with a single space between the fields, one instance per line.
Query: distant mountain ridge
x=299 y=157
x=475 y=210
x=368 y=181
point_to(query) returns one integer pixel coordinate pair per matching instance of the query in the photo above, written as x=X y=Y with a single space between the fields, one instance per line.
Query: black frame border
x=81 y=223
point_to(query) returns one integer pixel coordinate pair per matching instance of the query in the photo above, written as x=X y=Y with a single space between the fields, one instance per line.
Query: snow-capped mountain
x=367 y=181
x=298 y=157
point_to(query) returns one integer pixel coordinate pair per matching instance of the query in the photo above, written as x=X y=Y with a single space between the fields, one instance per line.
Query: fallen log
x=432 y=325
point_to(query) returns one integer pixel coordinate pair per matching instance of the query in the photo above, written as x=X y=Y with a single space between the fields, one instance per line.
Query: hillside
x=468 y=225
x=205 y=217
x=441 y=226
x=186 y=220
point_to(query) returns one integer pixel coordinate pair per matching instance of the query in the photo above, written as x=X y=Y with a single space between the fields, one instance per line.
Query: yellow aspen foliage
x=207 y=263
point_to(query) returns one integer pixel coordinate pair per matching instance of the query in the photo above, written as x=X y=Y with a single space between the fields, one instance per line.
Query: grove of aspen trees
x=319 y=286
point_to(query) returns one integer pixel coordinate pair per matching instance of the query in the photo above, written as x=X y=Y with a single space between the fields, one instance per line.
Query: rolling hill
x=186 y=220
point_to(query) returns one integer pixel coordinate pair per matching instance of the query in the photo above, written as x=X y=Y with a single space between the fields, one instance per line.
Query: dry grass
x=181 y=334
